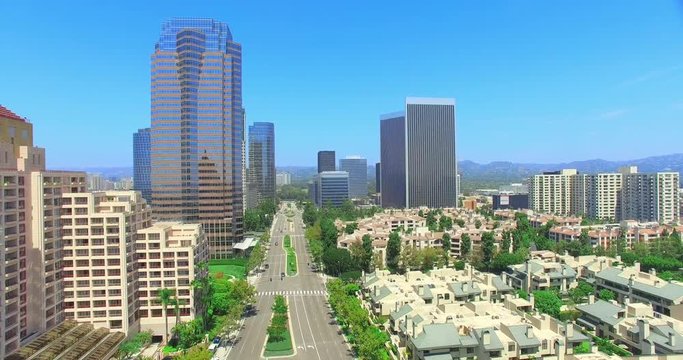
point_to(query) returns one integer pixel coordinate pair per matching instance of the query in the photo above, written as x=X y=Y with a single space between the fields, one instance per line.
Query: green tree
x=393 y=252
x=445 y=223
x=488 y=248
x=336 y=261
x=523 y=294
x=199 y=352
x=465 y=245
x=548 y=302
x=371 y=344
x=477 y=223
x=460 y=222
x=446 y=244
x=507 y=241
x=431 y=221
x=350 y=228
x=581 y=292
x=367 y=248
x=164 y=296
x=504 y=259
x=606 y=295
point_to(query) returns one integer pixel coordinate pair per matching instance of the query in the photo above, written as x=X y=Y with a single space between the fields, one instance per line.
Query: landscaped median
x=291 y=256
x=279 y=341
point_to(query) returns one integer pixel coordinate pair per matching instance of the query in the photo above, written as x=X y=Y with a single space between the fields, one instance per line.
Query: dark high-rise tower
x=393 y=160
x=142 y=166
x=261 y=173
x=378 y=178
x=425 y=135
x=326 y=161
x=197 y=129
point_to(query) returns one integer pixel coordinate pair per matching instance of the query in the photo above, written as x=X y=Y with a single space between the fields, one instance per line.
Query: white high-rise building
x=650 y=197
x=551 y=192
x=283 y=178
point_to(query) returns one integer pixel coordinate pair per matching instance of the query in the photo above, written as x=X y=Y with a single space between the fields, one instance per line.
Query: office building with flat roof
x=332 y=188
x=142 y=166
x=357 y=167
x=327 y=161
x=261 y=174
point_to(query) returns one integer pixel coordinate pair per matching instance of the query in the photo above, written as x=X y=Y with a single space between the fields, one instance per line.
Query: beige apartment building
x=30 y=232
x=551 y=192
x=625 y=195
x=167 y=254
x=603 y=196
x=100 y=275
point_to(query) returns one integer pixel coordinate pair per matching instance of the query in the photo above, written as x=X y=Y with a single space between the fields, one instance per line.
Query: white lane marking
x=311 y=330
x=298 y=319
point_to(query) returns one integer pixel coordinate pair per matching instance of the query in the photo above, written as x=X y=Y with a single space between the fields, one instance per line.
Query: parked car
x=215 y=343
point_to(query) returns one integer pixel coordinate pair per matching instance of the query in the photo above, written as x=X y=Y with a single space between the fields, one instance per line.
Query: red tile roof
x=8 y=114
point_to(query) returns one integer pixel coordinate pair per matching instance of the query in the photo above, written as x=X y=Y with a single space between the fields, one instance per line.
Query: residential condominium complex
x=626 y=195
x=30 y=234
x=357 y=167
x=450 y=314
x=261 y=173
x=418 y=155
x=332 y=188
x=197 y=131
x=142 y=166
x=100 y=275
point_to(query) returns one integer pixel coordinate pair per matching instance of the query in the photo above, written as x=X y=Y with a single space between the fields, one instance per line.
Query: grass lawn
x=280 y=348
x=229 y=267
x=291 y=256
x=170 y=349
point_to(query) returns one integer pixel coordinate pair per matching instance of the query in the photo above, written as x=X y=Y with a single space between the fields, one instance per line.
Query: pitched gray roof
x=427 y=292
x=403 y=311
x=459 y=290
x=383 y=292
x=437 y=336
x=500 y=285
x=495 y=344
x=669 y=291
x=603 y=310
x=518 y=333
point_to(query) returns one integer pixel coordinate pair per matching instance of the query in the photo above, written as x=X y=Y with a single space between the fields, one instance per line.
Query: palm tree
x=165 y=298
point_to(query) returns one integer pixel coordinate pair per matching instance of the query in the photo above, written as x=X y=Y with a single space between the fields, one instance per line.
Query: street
x=314 y=333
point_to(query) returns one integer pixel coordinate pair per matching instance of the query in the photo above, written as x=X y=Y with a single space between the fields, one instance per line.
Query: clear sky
x=535 y=81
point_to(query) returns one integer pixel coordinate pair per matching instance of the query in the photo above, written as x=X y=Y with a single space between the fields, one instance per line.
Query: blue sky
x=535 y=81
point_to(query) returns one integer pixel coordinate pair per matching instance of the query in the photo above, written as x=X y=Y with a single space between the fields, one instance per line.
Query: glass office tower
x=262 y=161
x=197 y=129
x=142 y=164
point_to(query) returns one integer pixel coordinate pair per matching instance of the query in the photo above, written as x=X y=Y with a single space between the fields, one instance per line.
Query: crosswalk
x=288 y=293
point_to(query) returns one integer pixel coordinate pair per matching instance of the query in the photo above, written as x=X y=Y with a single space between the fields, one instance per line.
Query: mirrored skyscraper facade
x=198 y=129
x=262 y=161
x=142 y=166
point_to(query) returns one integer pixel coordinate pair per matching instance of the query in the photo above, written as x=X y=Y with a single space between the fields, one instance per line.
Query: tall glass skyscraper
x=142 y=166
x=327 y=161
x=357 y=167
x=262 y=162
x=197 y=129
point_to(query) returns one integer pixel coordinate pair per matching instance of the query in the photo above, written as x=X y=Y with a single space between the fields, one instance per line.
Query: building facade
x=357 y=167
x=30 y=234
x=427 y=140
x=327 y=161
x=167 y=255
x=431 y=166
x=283 y=178
x=332 y=188
x=650 y=197
x=551 y=192
x=197 y=131
x=100 y=274
x=261 y=173
x=603 y=200
x=393 y=160
x=142 y=166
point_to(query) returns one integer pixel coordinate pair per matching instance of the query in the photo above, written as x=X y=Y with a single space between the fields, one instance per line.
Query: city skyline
x=611 y=91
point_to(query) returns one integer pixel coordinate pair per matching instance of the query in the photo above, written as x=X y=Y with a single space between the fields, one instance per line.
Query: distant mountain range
x=498 y=171
x=515 y=172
